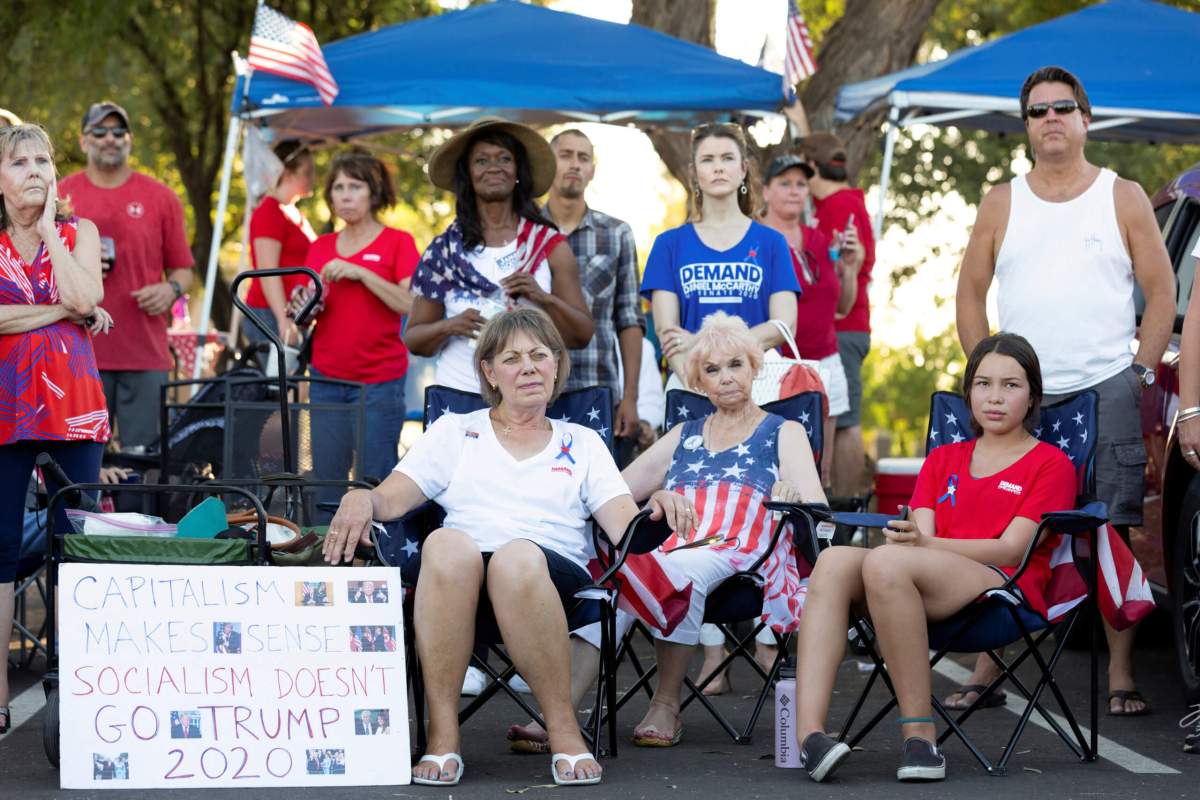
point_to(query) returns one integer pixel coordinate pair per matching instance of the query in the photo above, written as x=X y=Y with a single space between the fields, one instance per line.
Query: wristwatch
x=177 y=287
x=1145 y=375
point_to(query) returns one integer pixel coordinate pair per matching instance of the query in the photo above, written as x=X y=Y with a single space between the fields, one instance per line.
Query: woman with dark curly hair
x=499 y=253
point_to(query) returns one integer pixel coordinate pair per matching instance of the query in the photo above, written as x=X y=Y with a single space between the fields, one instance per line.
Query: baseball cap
x=100 y=110
x=783 y=163
x=823 y=148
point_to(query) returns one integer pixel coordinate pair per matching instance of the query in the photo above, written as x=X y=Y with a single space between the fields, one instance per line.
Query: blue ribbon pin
x=564 y=448
x=951 y=490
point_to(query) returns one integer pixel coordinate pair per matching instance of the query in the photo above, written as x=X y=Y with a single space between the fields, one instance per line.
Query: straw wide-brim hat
x=541 y=157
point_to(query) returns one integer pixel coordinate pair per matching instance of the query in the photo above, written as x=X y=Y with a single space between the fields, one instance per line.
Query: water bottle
x=787 y=751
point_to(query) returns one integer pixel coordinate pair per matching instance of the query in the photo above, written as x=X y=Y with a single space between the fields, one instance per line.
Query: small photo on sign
x=326 y=762
x=314 y=593
x=227 y=637
x=372 y=721
x=110 y=767
x=372 y=638
x=367 y=591
x=185 y=724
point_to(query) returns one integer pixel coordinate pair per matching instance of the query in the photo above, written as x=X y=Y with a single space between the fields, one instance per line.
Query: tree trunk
x=872 y=38
x=692 y=21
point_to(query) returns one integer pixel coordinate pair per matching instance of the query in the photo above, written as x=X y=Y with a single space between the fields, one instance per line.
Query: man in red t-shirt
x=840 y=206
x=147 y=267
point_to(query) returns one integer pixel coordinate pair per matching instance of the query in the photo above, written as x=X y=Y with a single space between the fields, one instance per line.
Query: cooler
x=895 y=480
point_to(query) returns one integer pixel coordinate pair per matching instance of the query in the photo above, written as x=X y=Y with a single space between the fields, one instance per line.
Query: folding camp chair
x=591 y=407
x=1000 y=617
x=738 y=598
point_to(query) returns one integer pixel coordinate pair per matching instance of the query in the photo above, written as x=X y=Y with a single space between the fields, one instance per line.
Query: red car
x=1168 y=543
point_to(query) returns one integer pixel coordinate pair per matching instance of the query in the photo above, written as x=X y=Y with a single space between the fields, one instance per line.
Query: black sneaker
x=821 y=755
x=921 y=761
x=1191 y=739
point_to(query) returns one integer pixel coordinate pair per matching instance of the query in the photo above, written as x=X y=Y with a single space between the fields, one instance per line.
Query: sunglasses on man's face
x=1061 y=108
x=100 y=131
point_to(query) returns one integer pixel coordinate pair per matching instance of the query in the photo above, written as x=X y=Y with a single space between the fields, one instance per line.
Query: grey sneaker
x=921 y=761
x=821 y=755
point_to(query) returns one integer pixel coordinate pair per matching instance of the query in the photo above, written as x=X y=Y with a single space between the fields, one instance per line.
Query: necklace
x=507 y=428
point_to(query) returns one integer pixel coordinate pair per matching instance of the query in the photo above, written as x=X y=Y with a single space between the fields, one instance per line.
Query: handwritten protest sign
x=231 y=676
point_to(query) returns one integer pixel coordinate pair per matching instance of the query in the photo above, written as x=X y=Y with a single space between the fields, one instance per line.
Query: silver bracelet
x=1188 y=412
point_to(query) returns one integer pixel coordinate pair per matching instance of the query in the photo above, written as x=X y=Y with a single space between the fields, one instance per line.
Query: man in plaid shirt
x=607 y=258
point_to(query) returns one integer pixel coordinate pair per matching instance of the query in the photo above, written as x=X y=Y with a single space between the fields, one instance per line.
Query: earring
x=744 y=189
x=518 y=180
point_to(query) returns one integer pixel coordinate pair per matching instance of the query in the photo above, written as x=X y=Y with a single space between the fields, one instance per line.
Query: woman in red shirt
x=826 y=289
x=366 y=268
x=976 y=506
x=51 y=399
x=280 y=237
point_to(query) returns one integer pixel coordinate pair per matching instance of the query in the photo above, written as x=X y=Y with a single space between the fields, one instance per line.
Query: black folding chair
x=738 y=599
x=591 y=407
x=1001 y=617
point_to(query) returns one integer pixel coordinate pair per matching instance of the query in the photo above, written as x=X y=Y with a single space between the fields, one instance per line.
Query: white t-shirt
x=493 y=498
x=652 y=397
x=456 y=361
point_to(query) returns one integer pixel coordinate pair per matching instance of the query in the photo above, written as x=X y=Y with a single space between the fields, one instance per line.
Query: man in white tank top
x=1066 y=244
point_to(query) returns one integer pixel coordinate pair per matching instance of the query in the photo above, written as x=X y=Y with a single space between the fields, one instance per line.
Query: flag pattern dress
x=50 y=388
x=729 y=489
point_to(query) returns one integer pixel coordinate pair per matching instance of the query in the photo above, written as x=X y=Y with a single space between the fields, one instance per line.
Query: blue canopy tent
x=507 y=58
x=1139 y=60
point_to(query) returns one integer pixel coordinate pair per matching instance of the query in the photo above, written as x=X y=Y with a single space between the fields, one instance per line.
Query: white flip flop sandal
x=441 y=765
x=572 y=761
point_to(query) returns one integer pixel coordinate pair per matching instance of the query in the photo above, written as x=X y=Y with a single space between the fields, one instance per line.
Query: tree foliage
x=897 y=384
x=168 y=62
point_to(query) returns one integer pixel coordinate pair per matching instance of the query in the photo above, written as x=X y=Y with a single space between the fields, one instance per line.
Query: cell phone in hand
x=108 y=254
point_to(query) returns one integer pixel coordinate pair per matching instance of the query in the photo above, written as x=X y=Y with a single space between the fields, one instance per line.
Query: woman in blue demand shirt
x=722 y=260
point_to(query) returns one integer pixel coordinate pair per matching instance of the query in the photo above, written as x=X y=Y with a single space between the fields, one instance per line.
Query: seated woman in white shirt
x=500 y=252
x=517 y=489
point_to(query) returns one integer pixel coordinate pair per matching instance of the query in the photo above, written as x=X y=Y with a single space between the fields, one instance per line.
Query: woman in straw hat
x=500 y=252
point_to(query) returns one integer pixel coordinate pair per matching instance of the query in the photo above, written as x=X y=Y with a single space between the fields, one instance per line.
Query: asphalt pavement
x=1140 y=757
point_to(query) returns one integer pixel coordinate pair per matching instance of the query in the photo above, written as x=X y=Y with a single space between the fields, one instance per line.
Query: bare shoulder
x=993 y=209
x=1129 y=196
x=86 y=228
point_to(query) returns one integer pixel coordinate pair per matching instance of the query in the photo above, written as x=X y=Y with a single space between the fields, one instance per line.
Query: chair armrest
x=1078 y=521
x=856 y=519
x=819 y=512
x=642 y=535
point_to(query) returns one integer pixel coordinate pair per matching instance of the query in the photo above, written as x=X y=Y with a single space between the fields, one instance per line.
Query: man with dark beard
x=607 y=258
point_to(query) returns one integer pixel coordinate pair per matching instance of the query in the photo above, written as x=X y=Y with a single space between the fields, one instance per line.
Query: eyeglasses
x=1061 y=108
x=101 y=131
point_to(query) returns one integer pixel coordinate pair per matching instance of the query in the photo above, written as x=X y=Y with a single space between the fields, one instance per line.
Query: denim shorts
x=567 y=577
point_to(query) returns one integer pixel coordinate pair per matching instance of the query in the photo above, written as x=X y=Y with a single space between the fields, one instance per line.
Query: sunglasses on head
x=1061 y=108
x=100 y=131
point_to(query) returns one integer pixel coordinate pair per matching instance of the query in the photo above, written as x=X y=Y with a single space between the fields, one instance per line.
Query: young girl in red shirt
x=976 y=506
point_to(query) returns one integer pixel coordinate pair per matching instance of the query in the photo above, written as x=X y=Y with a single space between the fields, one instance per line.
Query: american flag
x=798 y=63
x=282 y=46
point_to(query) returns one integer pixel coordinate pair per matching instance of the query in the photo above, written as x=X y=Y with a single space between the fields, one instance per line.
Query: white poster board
x=176 y=676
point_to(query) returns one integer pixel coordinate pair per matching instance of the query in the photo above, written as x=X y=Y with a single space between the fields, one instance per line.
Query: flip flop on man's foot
x=1127 y=696
x=993 y=700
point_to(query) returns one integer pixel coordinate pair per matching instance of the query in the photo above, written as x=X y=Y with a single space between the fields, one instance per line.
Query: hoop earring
x=744 y=188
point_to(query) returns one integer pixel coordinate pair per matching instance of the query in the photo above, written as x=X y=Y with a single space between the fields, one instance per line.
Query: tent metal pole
x=214 y=249
x=885 y=174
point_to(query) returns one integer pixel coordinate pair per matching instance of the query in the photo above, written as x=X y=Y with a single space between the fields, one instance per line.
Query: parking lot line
x=1118 y=754
x=25 y=706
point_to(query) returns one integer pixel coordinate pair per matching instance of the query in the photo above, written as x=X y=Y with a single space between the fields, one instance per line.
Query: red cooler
x=895 y=480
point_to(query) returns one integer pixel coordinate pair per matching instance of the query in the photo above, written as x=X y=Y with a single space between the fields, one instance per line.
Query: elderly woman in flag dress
x=728 y=464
